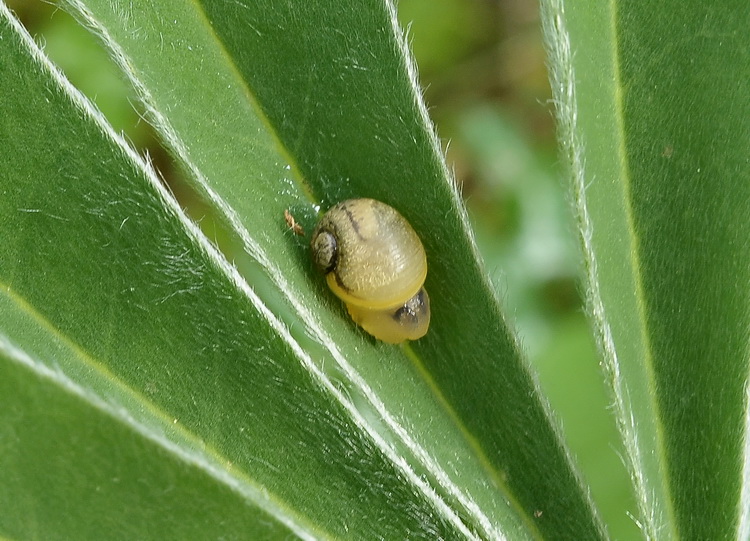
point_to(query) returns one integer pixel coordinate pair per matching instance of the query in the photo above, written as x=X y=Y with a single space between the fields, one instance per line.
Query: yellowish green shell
x=375 y=262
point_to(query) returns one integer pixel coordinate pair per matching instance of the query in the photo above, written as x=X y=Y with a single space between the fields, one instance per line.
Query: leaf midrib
x=640 y=296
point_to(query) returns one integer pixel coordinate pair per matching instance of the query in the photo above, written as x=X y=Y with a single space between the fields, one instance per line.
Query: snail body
x=374 y=262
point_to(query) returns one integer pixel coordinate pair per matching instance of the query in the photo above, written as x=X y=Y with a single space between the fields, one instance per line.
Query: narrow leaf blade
x=652 y=118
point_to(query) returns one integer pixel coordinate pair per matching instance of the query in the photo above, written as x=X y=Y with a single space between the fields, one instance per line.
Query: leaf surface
x=653 y=120
x=270 y=107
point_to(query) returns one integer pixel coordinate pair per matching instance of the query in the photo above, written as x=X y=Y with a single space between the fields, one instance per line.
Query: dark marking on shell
x=352 y=220
x=341 y=284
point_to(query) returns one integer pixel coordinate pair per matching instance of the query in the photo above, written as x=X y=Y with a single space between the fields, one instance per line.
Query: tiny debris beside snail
x=292 y=223
x=374 y=261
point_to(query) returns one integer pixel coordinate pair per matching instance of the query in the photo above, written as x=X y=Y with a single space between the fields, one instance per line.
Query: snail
x=374 y=262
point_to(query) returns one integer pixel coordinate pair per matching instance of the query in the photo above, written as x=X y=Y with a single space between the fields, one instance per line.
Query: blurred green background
x=482 y=67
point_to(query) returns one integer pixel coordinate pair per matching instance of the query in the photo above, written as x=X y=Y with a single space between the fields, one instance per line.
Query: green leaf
x=653 y=118
x=129 y=347
x=323 y=80
x=77 y=445
x=265 y=400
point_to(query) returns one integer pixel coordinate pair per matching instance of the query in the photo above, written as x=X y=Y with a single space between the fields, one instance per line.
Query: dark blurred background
x=482 y=67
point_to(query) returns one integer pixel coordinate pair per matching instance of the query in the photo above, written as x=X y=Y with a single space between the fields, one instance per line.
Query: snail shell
x=374 y=261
